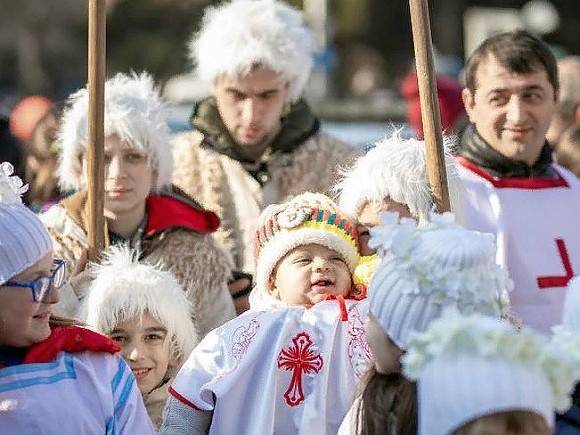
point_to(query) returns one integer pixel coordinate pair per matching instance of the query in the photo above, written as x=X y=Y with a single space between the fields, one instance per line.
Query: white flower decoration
x=11 y=186
x=293 y=216
x=461 y=274
x=481 y=336
x=391 y=232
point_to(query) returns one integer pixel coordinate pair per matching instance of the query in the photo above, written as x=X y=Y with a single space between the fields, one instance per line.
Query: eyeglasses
x=41 y=286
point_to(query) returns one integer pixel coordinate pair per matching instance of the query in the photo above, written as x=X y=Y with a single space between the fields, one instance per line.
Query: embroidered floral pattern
x=242 y=338
x=359 y=351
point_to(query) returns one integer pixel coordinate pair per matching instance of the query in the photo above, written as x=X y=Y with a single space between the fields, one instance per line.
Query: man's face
x=511 y=111
x=251 y=106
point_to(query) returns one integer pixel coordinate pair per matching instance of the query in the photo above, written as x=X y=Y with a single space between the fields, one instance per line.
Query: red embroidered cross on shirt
x=298 y=358
x=558 y=281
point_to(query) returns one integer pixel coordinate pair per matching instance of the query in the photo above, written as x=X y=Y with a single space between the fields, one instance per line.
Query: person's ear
x=174 y=360
x=468 y=101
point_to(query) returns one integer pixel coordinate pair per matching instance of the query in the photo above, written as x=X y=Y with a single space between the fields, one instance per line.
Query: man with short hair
x=254 y=141
x=513 y=189
x=567 y=112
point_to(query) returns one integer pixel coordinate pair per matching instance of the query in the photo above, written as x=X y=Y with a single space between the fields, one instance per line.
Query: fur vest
x=224 y=185
x=199 y=264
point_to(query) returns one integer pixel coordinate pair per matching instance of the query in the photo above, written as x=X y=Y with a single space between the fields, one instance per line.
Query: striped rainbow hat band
x=294 y=218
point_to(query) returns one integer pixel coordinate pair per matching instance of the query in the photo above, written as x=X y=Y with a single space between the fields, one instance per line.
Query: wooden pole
x=429 y=103
x=96 y=139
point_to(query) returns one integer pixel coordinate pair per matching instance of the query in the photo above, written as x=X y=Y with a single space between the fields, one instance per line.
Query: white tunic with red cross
x=285 y=371
x=536 y=222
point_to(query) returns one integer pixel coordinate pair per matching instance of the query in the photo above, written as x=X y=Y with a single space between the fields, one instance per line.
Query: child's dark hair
x=388 y=405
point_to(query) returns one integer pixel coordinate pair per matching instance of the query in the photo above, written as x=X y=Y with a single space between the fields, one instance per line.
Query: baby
x=290 y=364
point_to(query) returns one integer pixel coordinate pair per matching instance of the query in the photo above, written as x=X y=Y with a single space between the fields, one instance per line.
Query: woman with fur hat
x=294 y=358
x=143 y=308
x=477 y=375
x=423 y=270
x=47 y=365
x=142 y=209
x=255 y=141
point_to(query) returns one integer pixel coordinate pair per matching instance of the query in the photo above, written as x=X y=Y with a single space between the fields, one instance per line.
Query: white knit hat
x=470 y=367
x=238 y=35
x=134 y=112
x=571 y=317
x=124 y=289
x=23 y=238
x=307 y=218
x=395 y=168
x=425 y=269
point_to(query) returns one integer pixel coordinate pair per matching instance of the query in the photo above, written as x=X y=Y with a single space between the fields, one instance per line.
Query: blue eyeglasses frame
x=41 y=286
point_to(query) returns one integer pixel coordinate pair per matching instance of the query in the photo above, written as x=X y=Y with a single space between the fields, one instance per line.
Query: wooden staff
x=429 y=103
x=96 y=135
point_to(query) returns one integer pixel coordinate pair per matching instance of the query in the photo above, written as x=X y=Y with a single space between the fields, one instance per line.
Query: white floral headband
x=484 y=337
x=11 y=186
x=480 y=287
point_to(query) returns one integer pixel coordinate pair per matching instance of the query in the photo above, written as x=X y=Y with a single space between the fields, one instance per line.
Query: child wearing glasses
x=53 y=379
x=144 y=310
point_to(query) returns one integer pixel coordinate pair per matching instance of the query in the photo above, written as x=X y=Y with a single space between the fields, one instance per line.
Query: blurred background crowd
x=362 y=85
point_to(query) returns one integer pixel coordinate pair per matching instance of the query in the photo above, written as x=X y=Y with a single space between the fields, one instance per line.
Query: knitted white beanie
x=395 y=168
x=425 y=269
x=470 y=367
x=238 y=35
x=23 y=238
x=124 y=289
x=571 y=317
x=307 y=218
x=134 y=112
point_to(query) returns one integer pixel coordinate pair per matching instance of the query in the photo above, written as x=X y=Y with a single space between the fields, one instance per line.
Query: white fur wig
x=238 y=35
x=395 y=168
x=124 y=289
x=134 y=112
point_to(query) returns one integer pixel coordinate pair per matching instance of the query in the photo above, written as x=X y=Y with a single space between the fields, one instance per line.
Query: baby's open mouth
x=322 y=283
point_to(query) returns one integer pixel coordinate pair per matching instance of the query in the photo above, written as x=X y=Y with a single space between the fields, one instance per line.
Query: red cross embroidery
x=558 y=281
x=298 y=358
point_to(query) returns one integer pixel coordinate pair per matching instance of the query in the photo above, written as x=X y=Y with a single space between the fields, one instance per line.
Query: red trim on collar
x=165 y=212
x=183 y=399
x=71 y=339
x=514 y=183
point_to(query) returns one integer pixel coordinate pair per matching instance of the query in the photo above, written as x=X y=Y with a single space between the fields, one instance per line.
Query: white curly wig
x=395 y=168
x=238 y=35
x=124 y=289
x=134 y=112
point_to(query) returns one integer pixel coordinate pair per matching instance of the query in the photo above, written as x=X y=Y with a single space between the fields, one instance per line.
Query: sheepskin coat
x=207 y=168
x=187 y=249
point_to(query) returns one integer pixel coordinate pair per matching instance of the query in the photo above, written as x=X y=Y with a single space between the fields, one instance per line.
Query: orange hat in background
x=26 y=115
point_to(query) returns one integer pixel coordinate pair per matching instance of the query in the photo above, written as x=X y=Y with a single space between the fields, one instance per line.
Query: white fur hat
x=23 y=238
x=395 y=168
x=307 y=218
x=235 y=36
x=470 y=367
x=124 y=289
x=571 y=317
x=426 y=269
x=134 y=111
